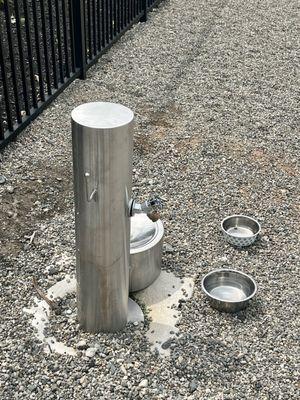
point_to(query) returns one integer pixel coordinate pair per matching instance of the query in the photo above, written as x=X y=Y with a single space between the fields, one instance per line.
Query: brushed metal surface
x=240 y=230
x=102 y=161
x=145 y=267
x=146 y=242
x=228 y=290
x=142 y=232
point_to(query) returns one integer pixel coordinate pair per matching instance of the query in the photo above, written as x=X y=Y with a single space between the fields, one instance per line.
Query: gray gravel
x=215 y=89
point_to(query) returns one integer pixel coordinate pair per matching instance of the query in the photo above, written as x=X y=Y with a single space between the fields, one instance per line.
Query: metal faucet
x=150 y=207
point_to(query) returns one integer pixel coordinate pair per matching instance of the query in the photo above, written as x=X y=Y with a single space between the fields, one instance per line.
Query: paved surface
x=215 y=89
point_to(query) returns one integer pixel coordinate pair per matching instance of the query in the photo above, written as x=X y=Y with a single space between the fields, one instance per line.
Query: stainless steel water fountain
x=102 y=136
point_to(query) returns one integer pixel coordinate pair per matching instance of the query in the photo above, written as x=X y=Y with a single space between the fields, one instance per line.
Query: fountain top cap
x=102 y=115
x=144 y=234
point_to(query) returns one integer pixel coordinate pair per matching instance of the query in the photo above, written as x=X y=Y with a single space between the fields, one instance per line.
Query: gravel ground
x=215 y=89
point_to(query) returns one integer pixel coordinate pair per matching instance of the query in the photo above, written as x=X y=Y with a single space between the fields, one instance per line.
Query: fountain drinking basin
x=146 y=239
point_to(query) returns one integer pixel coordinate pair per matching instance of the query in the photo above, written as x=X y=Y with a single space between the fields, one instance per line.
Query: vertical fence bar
x=46 y=54
x=79 y=36
x=5 y=88
x=59 y=42
x=132 y=10
x=103 y=19
x=111 y=26
x=122 y=24
x=52 y=44
x=89 y=30
x=117 y=16
x=129 y=10
x=21 y=55
x=107 y=20
x=72 y=36
x=1 y=123
x=126 y=12
x=38 y=51
x=29 y=52
x=145 y=10
x=114 y=16
x=125 y=8
x=118 y=23
x=12 y=62
x=135 y=8
x=94 y=28
x=65 y=34
x=99 y=39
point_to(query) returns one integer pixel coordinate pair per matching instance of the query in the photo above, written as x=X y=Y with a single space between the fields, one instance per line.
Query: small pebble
x=10 y=189
x=168 y=248
x=82 y=345
x=91 y=352
x=193 y=386
x=166 y=344
x=143 y=383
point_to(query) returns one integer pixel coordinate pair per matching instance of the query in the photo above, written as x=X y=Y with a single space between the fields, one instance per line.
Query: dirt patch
x=289 y=169
x=148 y=143
x=32 y=202
x=160 y=118
x=161 y=122
x=190 y=143
x=266 y=160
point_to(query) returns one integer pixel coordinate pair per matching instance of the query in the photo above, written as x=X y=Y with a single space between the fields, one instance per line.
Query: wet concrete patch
x=41 y=316
x=162 y=299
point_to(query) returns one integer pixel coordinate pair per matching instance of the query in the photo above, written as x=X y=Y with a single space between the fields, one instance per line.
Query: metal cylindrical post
x=102 y=160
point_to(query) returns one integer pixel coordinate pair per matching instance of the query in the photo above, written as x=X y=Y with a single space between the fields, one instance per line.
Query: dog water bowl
x=146 y=239
x=240 y=230
x=228 y=290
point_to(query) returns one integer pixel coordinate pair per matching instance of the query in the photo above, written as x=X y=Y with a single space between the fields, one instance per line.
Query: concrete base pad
x=161 y=299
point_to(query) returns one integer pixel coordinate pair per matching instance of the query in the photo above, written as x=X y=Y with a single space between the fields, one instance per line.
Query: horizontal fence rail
x=46 y=44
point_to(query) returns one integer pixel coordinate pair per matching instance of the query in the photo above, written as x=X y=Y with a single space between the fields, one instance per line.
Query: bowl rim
x=244 y=216
x=159 y=234
x=228 y=270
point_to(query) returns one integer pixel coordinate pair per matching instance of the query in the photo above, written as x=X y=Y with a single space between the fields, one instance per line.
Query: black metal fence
x=46 y=44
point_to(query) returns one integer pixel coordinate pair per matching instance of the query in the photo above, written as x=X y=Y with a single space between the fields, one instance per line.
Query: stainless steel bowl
x=228 y=290
x=146 y=240
x=240 y=230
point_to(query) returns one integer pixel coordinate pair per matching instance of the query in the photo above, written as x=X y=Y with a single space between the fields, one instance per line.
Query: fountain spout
x=150 y=207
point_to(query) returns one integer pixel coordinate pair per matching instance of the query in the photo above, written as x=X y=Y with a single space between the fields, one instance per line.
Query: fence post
x=145 y=9
x=79 y=36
